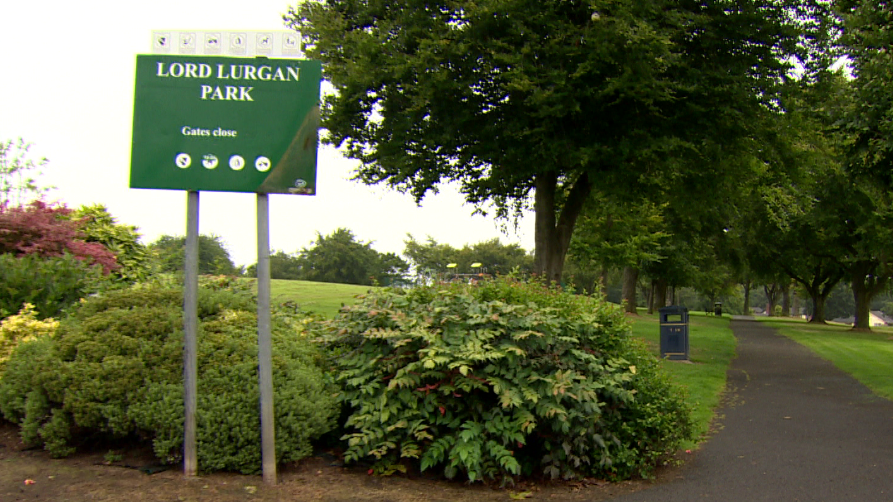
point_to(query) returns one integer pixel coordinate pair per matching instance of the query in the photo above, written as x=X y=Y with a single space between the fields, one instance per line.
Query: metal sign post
x=190 y=334
x=264 y=342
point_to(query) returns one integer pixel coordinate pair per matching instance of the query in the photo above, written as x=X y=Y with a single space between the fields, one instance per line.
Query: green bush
x=114 y=367
x=51 y=284
x=98 y=225
x=22 y=327
x=501 y=380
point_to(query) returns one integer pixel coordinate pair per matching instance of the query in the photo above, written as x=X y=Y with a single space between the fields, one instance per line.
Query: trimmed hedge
x=114 y=367
x=501 y=380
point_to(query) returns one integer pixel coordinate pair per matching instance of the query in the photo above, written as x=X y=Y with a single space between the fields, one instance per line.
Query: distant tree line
x=339 y=257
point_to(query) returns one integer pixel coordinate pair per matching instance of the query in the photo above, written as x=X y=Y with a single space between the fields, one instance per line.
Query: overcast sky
x=67 y=87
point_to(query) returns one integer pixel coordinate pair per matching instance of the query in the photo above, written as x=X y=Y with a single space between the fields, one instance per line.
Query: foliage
x=50 y=284
x=18 y=172
x=20 y=328
x=213 y=257
x=48 y=231
x=864 y=120
x=133 y=258
x=282 y=266
x=616 y=233
x=341 y=258
x=114 y=368
x=517 y=98
x=431 y=258
x=500 y=380
x=866 y=37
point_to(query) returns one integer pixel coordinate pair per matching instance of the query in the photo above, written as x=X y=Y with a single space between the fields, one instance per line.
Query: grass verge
x=323 y=298
x=864 y=355
x=712 y=348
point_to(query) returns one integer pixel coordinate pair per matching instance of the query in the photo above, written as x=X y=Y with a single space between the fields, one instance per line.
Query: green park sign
x=225 y=124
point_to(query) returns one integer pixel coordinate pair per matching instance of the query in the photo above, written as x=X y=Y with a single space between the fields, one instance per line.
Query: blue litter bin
x=674 y=333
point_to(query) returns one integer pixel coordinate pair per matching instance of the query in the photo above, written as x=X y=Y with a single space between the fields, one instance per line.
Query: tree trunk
x=660 y=293
x=818 y=308
x=863 y=306
x=651 y=298
x=552 y=234
x=628 y=291
x=772 y=292
x=866 y=284
x=746 y=297
x=603 y=279
x=823 y=279
x=786 y=299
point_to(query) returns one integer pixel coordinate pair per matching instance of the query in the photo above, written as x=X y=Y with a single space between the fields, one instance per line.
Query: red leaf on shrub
x=442 y=410
x=46 y=230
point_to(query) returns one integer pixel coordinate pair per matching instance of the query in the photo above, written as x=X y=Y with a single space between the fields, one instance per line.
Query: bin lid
x=673 y=309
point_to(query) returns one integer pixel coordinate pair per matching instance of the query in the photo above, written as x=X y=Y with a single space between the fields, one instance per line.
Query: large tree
x=513 y=98
x=341 y=258
x=431 y=258
x=618 y=234
x=282 y=266
x=213 y=257
x=868 y=40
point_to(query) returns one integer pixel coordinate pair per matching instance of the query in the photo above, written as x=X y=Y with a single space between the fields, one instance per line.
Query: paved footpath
x=794 y=428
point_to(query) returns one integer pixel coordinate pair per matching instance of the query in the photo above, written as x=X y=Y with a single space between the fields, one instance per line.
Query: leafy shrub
x=135 y=262
x=46 y=230
x=22 y=327
x=114 y=367
x=49 y=284
x=500 y=380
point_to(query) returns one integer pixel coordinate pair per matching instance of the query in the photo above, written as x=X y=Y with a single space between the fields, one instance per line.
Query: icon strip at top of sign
x=285 y=44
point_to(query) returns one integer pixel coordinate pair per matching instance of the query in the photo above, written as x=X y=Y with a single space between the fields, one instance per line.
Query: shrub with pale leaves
x=20 y=328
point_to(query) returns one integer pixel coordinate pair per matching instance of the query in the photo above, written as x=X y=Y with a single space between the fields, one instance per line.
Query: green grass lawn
x=711 y=347
x=318 y=297
x=868 y=357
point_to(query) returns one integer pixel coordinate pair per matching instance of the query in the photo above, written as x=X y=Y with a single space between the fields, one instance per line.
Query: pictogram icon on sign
x=262 y=164
x=209 y=161
x=183 y=160
x=236 y=162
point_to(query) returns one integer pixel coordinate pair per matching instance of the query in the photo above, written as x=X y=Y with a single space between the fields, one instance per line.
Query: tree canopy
x=341 y=258
x=19 y=172
x=544 y=99
x=213 y=257
x=431 y=258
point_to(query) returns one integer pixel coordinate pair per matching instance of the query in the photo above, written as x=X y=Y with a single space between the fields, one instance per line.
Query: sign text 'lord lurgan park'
x=226 y=124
